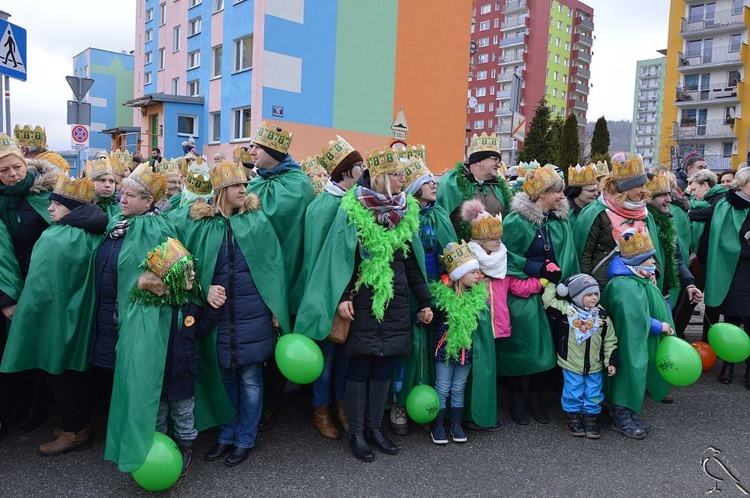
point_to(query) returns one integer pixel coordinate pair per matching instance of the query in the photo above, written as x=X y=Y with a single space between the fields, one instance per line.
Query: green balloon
x=423 y=404
x=162 y=467
x=677 y=361
x=729 y=342
x=299 y=358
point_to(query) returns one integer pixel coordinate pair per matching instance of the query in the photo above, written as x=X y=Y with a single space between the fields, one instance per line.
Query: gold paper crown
x=487 y=228
x=602 y=168
x=184 y=164
x=332 y=154
x=414 y=169
x=634 y=243
x=225 y=174
x=539 y=180
x=154 y=183
x=80 y=189
x=456 y=254
x=56 y=159
x=198 y=183
x=412 y=152
x=384 y=161
x=171 y=167
x=658 y=185
x=581 y=175
x=31 y=138
x=524 y=168
x=484 y=143
x=242 y=155
x=631 y=168
x=319 y=183
x=273 y=137
x=9 y=145
x=95 y=169
x=121 y=162
x=164 y=256
x=311 y=166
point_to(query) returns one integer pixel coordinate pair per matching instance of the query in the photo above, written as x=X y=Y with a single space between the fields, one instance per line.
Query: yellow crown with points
x=226 y=174
x=412 y=152
x=455 y=255
x=9 y=145
x=634 y=243
x=381 y=162
x=121 y=162
x=487 y=228
x=538 y=180
x=658 y=185
x=332 y=154
x=154 y=183
x=484 y=143
x=274 y=137
x=242 y=155
x=630 y=168
x=524 y=168
x=580 y=176
x=171 y=167
x=197 y=179
x=184 y=164
x=164 y=256
x=29 y=137
x=79 y=189
x=602 y=168
x=95 y=169
x=414 y=169
x=311 y=166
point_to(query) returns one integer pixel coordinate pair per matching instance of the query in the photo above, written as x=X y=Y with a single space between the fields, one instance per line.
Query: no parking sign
x=79 y=137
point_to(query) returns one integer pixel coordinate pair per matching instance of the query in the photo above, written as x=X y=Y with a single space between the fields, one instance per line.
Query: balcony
x=644 y=142
x=586 y=24
x=513 y=24
x=506 y=143
x=647 y=75
x=515 y=6
x=718 y=57
x=582 y=56
x=502 y=112
x=646 y=120
x=580 y=72
x=688 y=129
x=505 y=77
x=511 y=59
x=503 y=95
x=582 y=89
x=504 y=128
x=514 y=41
x=716 y=94
x=722 y=21
x=578 y=104
x=582 y=40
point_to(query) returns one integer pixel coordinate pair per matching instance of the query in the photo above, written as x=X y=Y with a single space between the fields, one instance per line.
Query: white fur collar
x=529 y=211
x=493 y=265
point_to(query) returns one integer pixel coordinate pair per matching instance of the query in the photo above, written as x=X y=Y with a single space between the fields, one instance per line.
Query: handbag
x=339 y=330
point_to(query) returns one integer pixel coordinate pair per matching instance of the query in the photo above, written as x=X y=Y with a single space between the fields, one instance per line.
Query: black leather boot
x=32 y=419
x=575 y=427
x=356 y=398
x=518 y=409
x=536 y=409
x=377 y=398
x=727 y=371
x=359 y=447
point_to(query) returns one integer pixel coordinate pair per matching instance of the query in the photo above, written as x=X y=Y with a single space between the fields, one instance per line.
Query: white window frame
x=194 y=26
x=162 y=58
x=484 y=25
x=194 y=88
x=194 y=3
x=162 y=14
x=213 y=137
x=239 y=46
x=237 y=115
x=176 y=38
x=486 y=8
x=218 y=5
x=194 y=59
x=175 y=86
x=484 y=42
x=149 y=15
x=214 y=65
x=149 y=35
x=479 y=124
x=481 y=91
x=147 y=78
x=148 y=58
x=194 y=132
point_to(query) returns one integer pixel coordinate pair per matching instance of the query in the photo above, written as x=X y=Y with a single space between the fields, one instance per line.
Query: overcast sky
x=626 y=31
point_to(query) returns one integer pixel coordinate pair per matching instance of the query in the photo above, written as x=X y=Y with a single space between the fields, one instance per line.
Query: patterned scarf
x=584 y=322
x=122 y=226
x=9 y=199
x=387 y=212
x=629 y=210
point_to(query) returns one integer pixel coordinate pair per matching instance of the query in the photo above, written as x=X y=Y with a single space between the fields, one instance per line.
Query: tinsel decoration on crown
x=311 y=167
x=537 y=181
x=602 y=168
x=171 y=167
x=273 y=137
x=78 y=189
x=456 y=254
x=658 y=185
x=381 y=162
x=164 y=256
x=226 y=174
x=581 y=176
x=332 y=154
x=633 y=243
x=171 y=262
x=628 y=169
x=121 y=162
x=28 y=137
x=99 y=167
x=154 y=183
x=242 y=155
x=484 y=143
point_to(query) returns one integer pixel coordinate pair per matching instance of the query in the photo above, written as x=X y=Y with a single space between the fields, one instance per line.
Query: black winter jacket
x=105 y=319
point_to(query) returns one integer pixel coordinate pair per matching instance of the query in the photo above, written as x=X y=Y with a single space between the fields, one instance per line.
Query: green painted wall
x=124 y=89
x=566 y=38
x=365 y=65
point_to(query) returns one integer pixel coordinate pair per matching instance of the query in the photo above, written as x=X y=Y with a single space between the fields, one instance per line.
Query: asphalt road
x=291 y=459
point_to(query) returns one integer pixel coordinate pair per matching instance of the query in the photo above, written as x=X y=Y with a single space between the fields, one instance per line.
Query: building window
x=218 y=5
x=567 y=45
x=492 y=106
x=557 y=42
x=564 y=94
x=492 y=90
x=554 y=108
x=726 y=149
x=486 y=8
x=555 y=75
x=557 y=58
x=565 y=78
x=479 y=108
x=194 y=59
x=194 y=88
x=481 y=75
x=484 y=26
x=194 y=26
x=193 y=3
x=214 y=125
x=559 y=24
x=734 y=43
x=497 y=5
x=161 y=58
x=242 y=129
x=216 y=61
x=162 y=14
x=243 y=54
x=483 y=42
x=497 y=22
x=481 y=59
x=554 y=92
x=175 y=86
x=567 y=28
x=737 y=7
x=494 y=40
x=566 y=62
x=148 y=58
x=149 y=15
x=481 y=91
x=149 y=35
x=479 y=124
x=187 y=125
x=733 y=78
x=147 y=78
x=176 y=39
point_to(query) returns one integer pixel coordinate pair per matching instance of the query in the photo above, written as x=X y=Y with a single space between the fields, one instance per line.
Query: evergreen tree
x=536 y=145
x=569 y=147
x=600 y=141
x=554 y=135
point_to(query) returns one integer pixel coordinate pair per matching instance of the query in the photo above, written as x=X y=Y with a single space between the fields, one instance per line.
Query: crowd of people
x=155 y=291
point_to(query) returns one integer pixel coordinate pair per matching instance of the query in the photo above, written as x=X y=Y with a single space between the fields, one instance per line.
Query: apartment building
x=647 y=104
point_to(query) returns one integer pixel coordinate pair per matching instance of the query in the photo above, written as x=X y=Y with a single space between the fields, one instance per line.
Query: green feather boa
x=463 y=314
x=381 y=244
x=667 y=239
x=468 y=191
x=106 y=202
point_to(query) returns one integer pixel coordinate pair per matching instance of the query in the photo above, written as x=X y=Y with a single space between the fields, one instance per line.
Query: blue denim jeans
x=582 y=393
x=245 y=391
x=451 y=379
x=333 y=375
x=182 y=413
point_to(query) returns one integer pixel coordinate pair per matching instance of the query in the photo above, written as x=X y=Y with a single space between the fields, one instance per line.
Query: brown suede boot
x=324 y=423
x=68 y=442
x=341 y=413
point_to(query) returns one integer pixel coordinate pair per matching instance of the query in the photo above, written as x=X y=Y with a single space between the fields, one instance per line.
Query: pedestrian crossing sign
x=12 y=51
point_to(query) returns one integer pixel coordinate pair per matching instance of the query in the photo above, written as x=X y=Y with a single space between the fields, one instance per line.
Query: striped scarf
x=387 y=211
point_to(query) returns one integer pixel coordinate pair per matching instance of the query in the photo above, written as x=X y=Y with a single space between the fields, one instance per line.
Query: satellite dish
x=473 y=102
x=732 y=112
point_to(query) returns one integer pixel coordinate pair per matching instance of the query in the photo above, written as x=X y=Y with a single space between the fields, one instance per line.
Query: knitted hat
x=628 y=173
x=279 y=156
x=338 y=156
x=635 y=246
x=484 y=226
x=578 y=286
x=458 y=260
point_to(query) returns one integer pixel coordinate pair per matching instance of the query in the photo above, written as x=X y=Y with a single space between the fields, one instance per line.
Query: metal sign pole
x=2 y=114
x=7 y=103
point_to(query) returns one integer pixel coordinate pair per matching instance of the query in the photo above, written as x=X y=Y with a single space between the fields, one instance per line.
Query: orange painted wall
x=433 y=37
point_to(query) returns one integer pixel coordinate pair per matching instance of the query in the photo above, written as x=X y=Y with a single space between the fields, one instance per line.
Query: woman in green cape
x=105 y=196
x=582 y=189
x=540 y=244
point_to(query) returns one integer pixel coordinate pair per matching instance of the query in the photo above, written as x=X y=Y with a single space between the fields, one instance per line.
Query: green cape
x=40 y=203
x=318 y=220
x=257 y=240
x=682 y=225
x=698 y=227
x=51 y=328
x=631 y=302
x=180 y=218
x=284 y=198
x=11 y=282
x=723 y=251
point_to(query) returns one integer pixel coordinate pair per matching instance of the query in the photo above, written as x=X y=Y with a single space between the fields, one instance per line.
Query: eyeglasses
x=399 y=174
x=431 y=183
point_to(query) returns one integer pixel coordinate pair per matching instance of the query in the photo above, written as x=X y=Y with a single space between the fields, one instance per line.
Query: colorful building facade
x=647 y=107
x=214 y=69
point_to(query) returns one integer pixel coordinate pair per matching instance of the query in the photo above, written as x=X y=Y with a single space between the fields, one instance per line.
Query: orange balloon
x=708 y=357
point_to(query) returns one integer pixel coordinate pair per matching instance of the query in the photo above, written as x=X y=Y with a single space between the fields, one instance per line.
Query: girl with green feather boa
x=460 y=297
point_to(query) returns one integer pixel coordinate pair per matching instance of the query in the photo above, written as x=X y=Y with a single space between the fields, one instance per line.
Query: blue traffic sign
x=12 y=50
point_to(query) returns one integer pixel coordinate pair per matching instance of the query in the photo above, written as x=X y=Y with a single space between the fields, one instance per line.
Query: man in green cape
x=581 y=190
